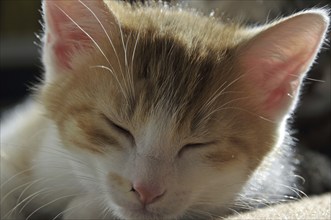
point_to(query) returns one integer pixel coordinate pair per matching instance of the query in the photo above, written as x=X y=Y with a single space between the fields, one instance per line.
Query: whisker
x=13 y=190
x=33 y=195
x=26 y=188
x=87 y=34
x=106 y=212
x=104 y=30
x=55 y=200
x=247 y=111
x=14 y=176
x=114 y=75
x=214 y=96
x=73 y=207
x=125 y=55
x=134 y=51
x=219 y=93
x=222 y=107
x=111 y=43
x=233 y=211
x=128 y=72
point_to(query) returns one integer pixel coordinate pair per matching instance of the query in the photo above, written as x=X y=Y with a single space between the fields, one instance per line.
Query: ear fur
x=276 y=60
x=71 y=26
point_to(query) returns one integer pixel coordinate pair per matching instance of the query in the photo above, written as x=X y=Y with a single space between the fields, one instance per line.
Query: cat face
x=168 y=112
x=190 y=159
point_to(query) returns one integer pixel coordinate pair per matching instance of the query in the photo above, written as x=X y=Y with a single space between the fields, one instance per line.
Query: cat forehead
x=169 y=77
x=166 y=63
x=175 y=65
x=186 y=26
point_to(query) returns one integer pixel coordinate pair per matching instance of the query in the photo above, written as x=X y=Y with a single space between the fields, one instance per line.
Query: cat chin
x=145 y=213
x=123 y=213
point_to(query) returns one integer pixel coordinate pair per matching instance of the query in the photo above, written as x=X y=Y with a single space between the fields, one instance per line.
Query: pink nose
x=147 y=194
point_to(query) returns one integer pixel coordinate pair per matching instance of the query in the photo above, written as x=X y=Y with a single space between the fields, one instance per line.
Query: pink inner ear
x=62 y=52
x=63 y=49
x=63 y=36
x=276 y=60
x=282 y=81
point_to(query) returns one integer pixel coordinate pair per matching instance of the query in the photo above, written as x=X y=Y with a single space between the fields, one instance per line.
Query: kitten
x=151 y=112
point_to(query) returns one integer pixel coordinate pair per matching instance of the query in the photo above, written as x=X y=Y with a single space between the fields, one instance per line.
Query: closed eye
x=119 y=128
x=193 y=146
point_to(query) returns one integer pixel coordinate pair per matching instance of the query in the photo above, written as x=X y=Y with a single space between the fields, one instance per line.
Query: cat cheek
x=76 y=136
x=118 y=181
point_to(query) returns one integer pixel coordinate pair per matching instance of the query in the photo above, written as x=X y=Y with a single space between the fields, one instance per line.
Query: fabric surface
x=317 y=208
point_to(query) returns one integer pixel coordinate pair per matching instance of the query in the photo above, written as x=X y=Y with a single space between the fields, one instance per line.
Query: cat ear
x=276 y=60
x=71 y=26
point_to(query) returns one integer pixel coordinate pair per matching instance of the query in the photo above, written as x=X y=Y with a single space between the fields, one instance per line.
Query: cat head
x=170 y=112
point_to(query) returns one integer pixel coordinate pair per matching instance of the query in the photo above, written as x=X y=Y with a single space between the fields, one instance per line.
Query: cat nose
x=146 y=193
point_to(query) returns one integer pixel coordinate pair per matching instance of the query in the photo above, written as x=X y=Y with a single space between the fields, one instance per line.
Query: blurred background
x=21 y=68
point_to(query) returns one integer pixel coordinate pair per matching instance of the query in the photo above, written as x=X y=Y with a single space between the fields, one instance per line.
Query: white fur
x=57 y=173
x=43 y=175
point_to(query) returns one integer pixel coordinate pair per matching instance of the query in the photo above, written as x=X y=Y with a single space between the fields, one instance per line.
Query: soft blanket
x=317 y=208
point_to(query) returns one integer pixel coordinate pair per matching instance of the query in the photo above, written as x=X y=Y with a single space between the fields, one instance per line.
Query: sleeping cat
x=154 y=112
